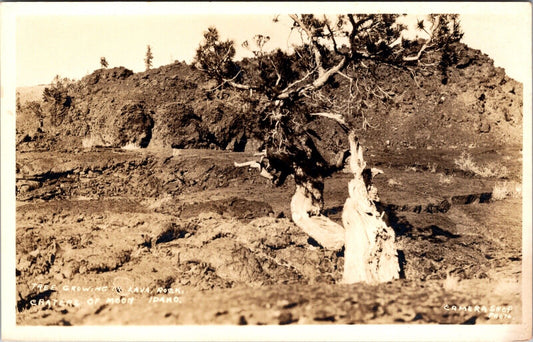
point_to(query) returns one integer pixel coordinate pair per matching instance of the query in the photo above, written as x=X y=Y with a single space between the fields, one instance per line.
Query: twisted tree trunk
x=369 y=255
x=306 y=207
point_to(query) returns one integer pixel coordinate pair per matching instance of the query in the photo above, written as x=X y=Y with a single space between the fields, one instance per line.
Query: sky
x=69 y=41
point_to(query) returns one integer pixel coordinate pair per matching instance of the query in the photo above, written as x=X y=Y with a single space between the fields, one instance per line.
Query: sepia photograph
x=266 y=171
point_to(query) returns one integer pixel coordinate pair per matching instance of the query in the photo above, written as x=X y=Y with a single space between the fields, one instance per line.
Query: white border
x=9 y=12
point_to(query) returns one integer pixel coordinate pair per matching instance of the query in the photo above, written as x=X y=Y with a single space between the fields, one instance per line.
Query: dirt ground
x=171 y=237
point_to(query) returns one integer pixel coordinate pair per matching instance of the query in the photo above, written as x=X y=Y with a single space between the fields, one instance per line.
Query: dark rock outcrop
x=181 y=107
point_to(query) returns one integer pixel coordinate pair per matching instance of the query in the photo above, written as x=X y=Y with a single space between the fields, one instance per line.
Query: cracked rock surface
x=184 y=237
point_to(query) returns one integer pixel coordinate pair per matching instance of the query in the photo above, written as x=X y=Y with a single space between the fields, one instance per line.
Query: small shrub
x=130 y=146
x=495 y=170
x=57 y=97
x=91 y=141
x=87 y=142
x=451 y=283
x=443 y=179
x=505 y=286
x=503 y=190
x=465 y=163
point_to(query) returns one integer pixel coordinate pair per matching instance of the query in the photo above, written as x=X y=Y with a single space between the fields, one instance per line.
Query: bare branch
x=240 y=86
x=344 y=75
x=319 y=82
x=360 y=22
x=332 y=35
x=276 y=70
x=285 y=92
x=387 y=95
x=312 y=38
x=323 y=74
x=322 y=79
x=356 y=26
x=417 y=57
x=334 y=116
x=257 y=165
x=253 y=164
x=426 y=43
x=232 y=83
x=414 y=76
x=367 y=124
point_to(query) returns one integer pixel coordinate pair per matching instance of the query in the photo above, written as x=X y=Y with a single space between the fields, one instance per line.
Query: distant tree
x=103 y=62
x=149 y=57
x=35 y=108
x=215 y=57
x=18 y=104
x=57 y=97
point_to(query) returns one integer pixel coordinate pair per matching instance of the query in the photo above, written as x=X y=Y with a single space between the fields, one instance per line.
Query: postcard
x=266 y=171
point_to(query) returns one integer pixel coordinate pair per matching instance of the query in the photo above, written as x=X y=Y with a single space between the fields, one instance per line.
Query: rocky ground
x=166 y=236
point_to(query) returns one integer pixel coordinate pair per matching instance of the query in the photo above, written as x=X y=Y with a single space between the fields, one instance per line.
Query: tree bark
x=369 y=255
x=306 y=206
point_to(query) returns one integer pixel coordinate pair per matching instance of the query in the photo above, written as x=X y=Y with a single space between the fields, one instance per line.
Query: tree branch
x=312 y=39
x=336 y=117
x=285 y=93
x=240 y=86
x=356 y=26
x=317 y=83
x=322 y=79
x=426 y=43
x=417 y=57
x=276 y=70
x=232 y=83
x=332 y=35
x=257 y=165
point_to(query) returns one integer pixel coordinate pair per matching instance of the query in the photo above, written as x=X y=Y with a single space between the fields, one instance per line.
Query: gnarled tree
x=286 y=83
